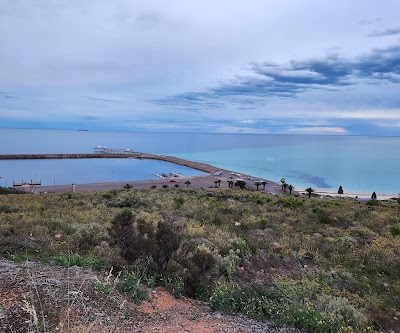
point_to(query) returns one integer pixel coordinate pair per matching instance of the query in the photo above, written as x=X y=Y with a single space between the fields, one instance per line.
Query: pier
x=25 y=184
x=132 y=154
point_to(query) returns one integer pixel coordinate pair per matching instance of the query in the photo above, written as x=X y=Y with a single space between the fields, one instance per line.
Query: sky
x=254 y=66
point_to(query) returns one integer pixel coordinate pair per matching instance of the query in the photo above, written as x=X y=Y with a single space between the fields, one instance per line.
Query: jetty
x=116 y=154
x=25 y=184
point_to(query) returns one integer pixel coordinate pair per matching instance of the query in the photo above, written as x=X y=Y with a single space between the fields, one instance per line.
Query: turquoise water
x=325 y=162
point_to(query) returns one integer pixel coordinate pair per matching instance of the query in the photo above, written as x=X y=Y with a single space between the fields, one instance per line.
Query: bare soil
x=195 y=182
x=35 y=297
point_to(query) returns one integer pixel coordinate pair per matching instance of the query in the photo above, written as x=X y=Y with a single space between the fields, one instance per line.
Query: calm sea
x=355 y=162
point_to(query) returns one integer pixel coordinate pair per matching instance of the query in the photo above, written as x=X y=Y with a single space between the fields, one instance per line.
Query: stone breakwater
x=191 y=164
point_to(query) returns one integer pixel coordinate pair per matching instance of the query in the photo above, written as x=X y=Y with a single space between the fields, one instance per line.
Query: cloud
x=318 y=130
x=100 y=99
x=6 y=95
x=385 y=32
x=266 y=80
x=195 y=66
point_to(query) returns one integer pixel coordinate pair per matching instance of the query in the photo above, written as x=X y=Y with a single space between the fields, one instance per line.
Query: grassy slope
x=332 y=258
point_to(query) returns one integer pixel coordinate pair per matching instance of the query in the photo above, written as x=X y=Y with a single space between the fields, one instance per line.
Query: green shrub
x=79 y=261
x=129 y=283
x=175 y=285
x=227 y=297
x=395 y=230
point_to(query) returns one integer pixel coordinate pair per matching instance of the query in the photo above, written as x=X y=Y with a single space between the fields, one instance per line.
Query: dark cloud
x=6 y=95
x=266 y=80
x=386 y=32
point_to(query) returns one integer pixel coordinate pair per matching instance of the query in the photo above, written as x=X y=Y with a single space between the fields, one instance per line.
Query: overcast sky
x=254 y=66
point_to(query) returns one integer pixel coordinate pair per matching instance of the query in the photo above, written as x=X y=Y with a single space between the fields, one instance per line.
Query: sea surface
x=358 y=163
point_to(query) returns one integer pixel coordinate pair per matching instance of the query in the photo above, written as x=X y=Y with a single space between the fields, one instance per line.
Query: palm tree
x=290 y=187
x=340 y=190
x=230 y=183
x=257 y=184
x=217 y=183
x=187 y=183
x=241 y=184
x=309 y=191
x=283 y=181
x=263 y=184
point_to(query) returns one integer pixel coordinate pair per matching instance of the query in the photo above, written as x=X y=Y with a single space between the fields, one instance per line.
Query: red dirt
x=67 y=301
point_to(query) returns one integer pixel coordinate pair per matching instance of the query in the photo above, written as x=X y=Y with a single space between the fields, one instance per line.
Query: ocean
x=358 y=163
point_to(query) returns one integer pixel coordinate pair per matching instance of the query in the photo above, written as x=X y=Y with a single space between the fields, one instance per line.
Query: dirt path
x=75 y=300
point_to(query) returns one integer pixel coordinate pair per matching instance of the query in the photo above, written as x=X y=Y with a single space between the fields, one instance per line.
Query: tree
x=187 y=183
x=340 y=190
x=230 y=183
x=263 y=184
x=285 y=187
x=283 y=181
x=257 y=184
x=290 y=187
x=309 y=191
x=241 y=184
x=373 y=196
x=217 y=183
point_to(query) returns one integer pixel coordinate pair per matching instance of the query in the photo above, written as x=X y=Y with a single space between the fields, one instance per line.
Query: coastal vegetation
x=321 y=265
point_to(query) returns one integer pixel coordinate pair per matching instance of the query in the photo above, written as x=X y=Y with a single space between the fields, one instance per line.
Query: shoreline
x=208 y=181
x=350 y=194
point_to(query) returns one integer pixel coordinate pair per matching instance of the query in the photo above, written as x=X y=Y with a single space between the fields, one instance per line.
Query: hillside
x=319 y=265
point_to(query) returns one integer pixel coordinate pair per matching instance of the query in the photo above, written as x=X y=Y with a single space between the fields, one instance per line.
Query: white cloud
x=132 y=52
x=318 y=130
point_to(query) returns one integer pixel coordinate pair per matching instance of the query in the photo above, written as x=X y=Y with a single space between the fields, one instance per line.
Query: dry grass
x=330 y=253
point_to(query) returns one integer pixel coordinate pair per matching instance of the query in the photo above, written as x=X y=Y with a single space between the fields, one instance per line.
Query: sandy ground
x=195 y=182
x=358 y=195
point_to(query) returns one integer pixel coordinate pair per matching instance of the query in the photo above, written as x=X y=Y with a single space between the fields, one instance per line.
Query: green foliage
x=372 y=202
x=79 y=261
x=129 y=283
x=395 y=230
x=330 y=253
x=241 y=184
x=179 y=201
x=102 y=288
x=175 y=285
x=10 y=190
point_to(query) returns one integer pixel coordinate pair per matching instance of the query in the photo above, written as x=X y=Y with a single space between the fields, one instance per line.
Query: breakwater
x=191 y=164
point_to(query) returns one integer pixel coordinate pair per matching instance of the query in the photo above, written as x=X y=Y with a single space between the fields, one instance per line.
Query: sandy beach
x=197 y=182
x=355 y=195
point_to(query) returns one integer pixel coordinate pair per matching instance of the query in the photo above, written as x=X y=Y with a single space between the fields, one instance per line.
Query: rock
x=276 y=246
